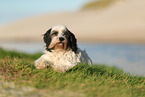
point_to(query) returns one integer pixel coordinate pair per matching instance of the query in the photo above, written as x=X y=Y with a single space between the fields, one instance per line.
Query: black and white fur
x=62 y=52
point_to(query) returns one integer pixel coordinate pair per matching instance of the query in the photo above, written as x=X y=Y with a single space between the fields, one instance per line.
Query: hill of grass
x=19 y=78
x=98 y=4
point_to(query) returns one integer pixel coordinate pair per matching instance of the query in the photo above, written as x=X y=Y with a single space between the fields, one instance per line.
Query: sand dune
x=122 y=22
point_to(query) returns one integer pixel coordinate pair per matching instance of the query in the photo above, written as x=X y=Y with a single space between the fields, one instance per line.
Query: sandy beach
x=123 y=22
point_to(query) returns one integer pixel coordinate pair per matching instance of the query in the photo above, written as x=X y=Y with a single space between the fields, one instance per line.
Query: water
x=12 y=10
x=129 y=57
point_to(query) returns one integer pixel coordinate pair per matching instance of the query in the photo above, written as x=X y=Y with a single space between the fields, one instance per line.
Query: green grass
x=19 y=78
x=98 y=4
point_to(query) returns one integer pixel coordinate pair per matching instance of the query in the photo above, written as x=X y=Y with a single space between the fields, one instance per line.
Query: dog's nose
x=61 y=39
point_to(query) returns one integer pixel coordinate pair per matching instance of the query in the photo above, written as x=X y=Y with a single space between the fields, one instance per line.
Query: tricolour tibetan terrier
x=62 y=52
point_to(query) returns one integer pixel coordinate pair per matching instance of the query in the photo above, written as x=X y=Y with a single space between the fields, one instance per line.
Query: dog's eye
x=55 y=33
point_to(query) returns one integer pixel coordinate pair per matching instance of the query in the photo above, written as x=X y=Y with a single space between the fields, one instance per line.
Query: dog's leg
x=84 y=57
x=41 y=63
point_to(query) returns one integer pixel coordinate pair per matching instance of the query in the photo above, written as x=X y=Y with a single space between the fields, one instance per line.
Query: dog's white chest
x=62 y=59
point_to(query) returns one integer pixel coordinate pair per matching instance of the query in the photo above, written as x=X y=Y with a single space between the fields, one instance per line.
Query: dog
x=61 y=52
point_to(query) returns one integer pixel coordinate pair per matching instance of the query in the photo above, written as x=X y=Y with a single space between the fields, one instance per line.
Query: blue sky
x=11 y=10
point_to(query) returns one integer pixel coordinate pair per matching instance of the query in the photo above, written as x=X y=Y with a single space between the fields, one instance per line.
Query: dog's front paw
x=40 y=64
x=40 y=67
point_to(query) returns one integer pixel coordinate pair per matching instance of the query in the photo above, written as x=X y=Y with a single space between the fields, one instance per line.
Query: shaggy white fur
x=62 y=52
x=62 y=60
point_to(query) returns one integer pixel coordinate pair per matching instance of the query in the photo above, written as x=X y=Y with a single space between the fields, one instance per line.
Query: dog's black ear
x=72 y=41
x=47 y=39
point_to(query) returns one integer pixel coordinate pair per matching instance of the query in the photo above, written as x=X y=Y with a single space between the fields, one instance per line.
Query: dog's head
x=59 y=37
